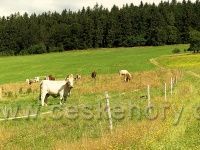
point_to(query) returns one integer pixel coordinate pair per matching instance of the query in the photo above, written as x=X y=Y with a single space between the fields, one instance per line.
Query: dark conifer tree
x=146 y=24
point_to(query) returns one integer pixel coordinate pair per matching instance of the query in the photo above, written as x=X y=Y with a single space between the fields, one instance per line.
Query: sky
x=8 y=7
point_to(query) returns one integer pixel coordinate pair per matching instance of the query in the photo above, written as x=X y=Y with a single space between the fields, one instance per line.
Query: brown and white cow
x=77 y=77
x=30 y=81
x=126 y=74
x=49 y=77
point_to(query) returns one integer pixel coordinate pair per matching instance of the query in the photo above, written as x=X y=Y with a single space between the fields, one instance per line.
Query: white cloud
x=8 y=7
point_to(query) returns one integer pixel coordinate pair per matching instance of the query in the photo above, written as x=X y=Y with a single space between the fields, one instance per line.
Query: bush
x=58 y=48
x=7 y=53
x=24 y=52
x=176 y=50
x=37 y=49
x=134 y=41
x=34 y=49
x=194 y=41
x=53 y=49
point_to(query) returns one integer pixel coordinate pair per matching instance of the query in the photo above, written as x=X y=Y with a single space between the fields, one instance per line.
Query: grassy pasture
x=66 y=133
x=104 y=61
x=189 y=62
x=47 y=132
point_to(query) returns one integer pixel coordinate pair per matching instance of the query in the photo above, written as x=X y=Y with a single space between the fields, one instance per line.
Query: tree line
x=146 y=24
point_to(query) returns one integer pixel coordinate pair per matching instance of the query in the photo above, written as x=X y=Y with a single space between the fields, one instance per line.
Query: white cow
x=123 y=72
x=56 y=88
x=37 y=79
x=126 y=74
x=30 y=81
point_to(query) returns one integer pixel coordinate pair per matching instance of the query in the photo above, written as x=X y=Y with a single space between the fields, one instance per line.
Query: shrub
x=134 y=41
x=37 y=49
x=194 y=41
x=58 y=48
x=7 y=53
x=24 y=52
x=176 y=50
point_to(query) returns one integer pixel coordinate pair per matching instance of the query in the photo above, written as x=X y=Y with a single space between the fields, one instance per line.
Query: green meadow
x=189 y=62
x=104 y=61
x=134 y=127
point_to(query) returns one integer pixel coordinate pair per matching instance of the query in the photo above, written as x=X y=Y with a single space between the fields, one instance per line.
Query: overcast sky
x=8 y=7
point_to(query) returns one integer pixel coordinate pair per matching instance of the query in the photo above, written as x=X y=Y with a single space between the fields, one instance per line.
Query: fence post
x=109 y=112
x=165 y=92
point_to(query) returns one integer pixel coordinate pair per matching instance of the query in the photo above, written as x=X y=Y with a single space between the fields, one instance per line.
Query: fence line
x=109 y=112
x=148 y=96
x=165 y=91
x=171 y=83
x=107 y=103
x=26 y=116
x=44 y=113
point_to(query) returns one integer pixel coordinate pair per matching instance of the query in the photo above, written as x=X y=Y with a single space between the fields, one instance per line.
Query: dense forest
x=146 y=24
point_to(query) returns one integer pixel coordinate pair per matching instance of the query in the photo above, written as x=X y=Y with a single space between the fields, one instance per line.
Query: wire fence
x=110 y=96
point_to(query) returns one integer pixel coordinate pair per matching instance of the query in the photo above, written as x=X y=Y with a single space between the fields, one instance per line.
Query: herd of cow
x=49 y=86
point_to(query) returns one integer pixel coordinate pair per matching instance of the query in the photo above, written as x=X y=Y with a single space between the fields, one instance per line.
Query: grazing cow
x=30 y=81
x=37 y=79
x=56 y=88
x=123 y=72
x=49 y=77
x=127 y=77
x=94 y=74
x=67 y=76
x=77 y=77
x=126 y=74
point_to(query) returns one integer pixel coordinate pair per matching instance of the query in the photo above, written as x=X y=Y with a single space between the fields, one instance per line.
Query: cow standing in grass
x=50 y=77
x=37 y=79
x=94 y=74
x=30 y=81
x=126 y=74
x=127 y=77
x=77 y=77
x=56 y=88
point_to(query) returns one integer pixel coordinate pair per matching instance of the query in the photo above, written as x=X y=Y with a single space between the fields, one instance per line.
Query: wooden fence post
x=171 y=86
x=109 y=112
x=165 y=90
